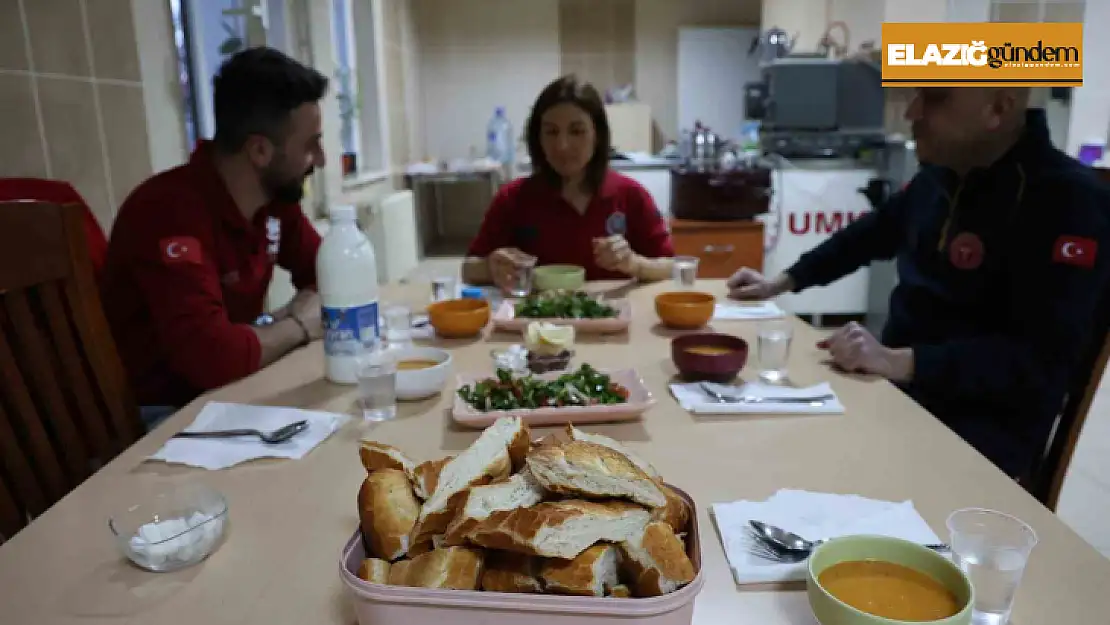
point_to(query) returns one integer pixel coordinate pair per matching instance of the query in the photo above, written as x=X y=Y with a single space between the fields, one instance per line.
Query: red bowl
x=717 y=367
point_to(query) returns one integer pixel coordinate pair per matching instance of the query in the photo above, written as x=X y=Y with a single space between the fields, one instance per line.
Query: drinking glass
x=991 y=548
x=685 y=271
x=377 y=390
x=522 y=285
x=444 y=288
x=398 y=325
x=774 y=350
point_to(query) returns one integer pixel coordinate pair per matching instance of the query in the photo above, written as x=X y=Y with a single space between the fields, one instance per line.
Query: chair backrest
x=65 y=405
x=58 y=192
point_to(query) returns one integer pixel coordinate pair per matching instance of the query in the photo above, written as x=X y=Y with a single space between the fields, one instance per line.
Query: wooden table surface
x=289 y=519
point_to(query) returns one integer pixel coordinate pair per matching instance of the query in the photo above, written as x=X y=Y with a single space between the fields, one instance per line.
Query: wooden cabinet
x=722 y=247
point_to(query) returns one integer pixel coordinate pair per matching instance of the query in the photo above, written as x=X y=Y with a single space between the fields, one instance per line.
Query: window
x=356 y=24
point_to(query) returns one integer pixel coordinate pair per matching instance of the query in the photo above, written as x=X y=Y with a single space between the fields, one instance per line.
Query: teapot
x=773 y=43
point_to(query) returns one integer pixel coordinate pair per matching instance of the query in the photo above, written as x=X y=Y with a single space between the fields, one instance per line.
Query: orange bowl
x=459 y=318
x=686 y=310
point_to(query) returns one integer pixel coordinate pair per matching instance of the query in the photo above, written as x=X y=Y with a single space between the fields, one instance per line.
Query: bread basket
x=376 y=604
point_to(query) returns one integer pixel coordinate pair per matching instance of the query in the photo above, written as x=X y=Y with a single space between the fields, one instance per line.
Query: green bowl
x=555 y=277
x=831 y=611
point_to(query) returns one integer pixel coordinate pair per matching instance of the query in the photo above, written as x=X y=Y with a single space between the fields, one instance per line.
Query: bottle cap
x=472 y=292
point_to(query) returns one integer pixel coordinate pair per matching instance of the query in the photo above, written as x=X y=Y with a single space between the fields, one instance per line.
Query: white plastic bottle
x=347 y=277
x=500 y=145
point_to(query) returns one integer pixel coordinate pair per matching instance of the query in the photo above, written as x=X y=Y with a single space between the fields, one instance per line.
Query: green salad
x=585 y=387
x=563 y=305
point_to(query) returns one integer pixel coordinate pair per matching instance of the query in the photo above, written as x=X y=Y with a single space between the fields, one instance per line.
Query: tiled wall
x=597 y=41
x=72 y=95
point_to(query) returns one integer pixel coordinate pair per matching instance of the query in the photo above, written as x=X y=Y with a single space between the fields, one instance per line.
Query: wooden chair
x=65 y=405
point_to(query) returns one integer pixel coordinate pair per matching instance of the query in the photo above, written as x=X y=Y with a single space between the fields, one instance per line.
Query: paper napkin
x=692 y=398
x=746 y=311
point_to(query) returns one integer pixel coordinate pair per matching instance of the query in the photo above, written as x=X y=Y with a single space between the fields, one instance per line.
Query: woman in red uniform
x=573 y=209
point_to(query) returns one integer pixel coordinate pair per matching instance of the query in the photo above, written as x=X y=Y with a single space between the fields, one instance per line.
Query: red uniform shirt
x=531 y=215
x=187 y=274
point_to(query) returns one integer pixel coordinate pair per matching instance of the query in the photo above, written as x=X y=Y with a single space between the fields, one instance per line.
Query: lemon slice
x=548 y=338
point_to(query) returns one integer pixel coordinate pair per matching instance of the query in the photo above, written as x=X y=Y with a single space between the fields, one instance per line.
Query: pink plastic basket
x=376 y=604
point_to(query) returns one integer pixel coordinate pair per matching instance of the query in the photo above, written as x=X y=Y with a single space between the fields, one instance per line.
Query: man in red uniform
x=193 y=249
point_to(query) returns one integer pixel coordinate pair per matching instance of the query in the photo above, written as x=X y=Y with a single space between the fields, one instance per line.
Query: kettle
x=773 y=43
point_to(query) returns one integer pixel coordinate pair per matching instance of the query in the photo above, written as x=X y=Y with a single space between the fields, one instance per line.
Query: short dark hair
x=569 y=89
x=254 y=92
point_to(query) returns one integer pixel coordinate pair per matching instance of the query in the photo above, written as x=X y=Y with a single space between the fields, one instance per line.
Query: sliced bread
x=600 y=439
x=506 y=571
x=520 y=491
x=374 y=570
x=655 y=561
x=388 y=509
x=426 y=475
x=375 y=455
x=590 y=574
x=492 y=455
x=560 y=529
x=457 y=568
x=676 y=513
x=584 y=469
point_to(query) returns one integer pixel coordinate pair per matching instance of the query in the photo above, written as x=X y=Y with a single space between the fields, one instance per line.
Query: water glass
x=444 y=288
x=522 y=284
x=398 y=325
x=685 y=271
x=991 y=548
x=377 y=386
x=774 y=350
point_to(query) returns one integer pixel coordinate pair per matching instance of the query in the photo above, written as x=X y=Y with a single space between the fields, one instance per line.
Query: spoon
x=816 y=400
x=789 y=541
x=279 y=435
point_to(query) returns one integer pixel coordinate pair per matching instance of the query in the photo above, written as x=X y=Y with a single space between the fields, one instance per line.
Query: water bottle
x=347 y=279
x=500 y=145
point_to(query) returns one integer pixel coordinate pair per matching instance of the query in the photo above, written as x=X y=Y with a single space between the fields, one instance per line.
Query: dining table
x=289 y=519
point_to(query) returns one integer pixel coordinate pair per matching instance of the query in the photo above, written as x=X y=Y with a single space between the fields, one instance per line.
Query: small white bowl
x=414 y=384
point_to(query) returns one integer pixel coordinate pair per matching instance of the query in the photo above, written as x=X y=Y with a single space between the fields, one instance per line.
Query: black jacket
x=1002 y=277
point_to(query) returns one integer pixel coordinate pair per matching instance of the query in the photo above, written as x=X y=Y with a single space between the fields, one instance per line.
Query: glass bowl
x=173 y=529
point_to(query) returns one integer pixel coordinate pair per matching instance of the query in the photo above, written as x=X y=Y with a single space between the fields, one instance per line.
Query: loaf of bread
x=600 y=439
x=560 y=529
x=426 y=475
x=655 y=561
x=387 y=512
x=520 y=491
x=590 y=574
x=676 y=513
x=375 y=455
x=501 y=446
x=584 y=469
x=458 y=568
x=511 y=572
x=374 y=570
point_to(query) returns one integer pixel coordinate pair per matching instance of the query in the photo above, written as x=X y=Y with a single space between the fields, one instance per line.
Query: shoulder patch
x=177 y=250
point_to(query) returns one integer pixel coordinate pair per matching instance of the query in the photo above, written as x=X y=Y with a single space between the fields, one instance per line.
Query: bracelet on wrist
x=307 y=338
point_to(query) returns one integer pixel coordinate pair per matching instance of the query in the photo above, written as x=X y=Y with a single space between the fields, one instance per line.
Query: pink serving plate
x=639 y=400
x=505 y=319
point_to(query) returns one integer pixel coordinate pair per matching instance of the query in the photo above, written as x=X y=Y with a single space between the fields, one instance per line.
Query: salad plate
x=587 y=314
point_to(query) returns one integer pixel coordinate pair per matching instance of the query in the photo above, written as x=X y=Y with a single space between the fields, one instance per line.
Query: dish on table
x=623 y=398
x=877 y=580
x=508 y=319
x=685 y=310
x=709 y=356
x=600 y=534
x=421 y=371
x=459 y=318
x=553 y=277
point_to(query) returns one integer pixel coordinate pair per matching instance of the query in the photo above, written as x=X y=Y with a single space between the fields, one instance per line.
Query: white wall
x=1090 y=105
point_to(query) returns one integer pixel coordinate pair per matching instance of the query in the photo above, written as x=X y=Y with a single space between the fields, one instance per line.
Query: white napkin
x=692 y=398
x=746 y=311
x=221 y=453
x=811 y=516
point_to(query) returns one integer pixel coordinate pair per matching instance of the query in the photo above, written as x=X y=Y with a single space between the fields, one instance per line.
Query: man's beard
x=282 y=190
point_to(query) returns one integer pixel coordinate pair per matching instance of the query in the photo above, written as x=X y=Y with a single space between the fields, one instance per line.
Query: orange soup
x=709 y=350
x=889 y=590
x=410 y=365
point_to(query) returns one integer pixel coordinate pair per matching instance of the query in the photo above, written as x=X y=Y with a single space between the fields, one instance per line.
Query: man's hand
x=855 y=349
x=305 y=308
x=749 y=284
x=505 y=264
x=615 y=254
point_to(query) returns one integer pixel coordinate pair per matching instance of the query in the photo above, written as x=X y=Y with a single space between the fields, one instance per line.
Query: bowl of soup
x=559 y=277
x=421 y=371
x=459 y=318
x=685 y=310
x=709 y=356
x=877 y=580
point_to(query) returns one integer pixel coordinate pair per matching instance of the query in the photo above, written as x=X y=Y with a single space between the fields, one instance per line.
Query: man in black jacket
x=1003 y=253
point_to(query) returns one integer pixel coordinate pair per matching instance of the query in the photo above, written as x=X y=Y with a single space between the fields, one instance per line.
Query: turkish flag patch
x=1078 y=251
x=176 y=250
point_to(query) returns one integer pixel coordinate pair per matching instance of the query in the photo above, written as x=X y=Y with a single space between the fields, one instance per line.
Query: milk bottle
x=347 y=277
